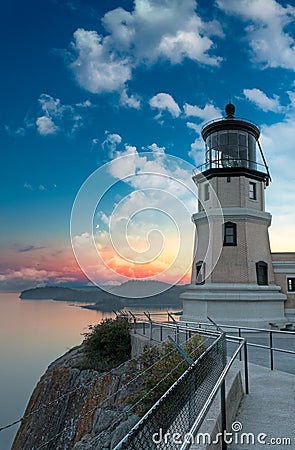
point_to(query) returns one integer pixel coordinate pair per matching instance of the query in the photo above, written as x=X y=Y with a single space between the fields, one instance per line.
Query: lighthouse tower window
x=230 y=234
x=262 y=273
x=252 y=191
x=200 y=272
x=291 y=284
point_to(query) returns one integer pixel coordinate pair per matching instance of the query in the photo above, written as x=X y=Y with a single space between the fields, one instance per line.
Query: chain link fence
x=166 y=424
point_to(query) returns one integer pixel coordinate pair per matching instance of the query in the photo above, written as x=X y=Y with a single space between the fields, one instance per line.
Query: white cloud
x=120 y=168
x=151 y=170
x=292 y=101
x=155 y=148
x=96 y=67
x=56 y=116
x=51 y=106
x=24 y=277
x=82 y=240
x=46 y=126
x=165 y=102
x=205 y=114
x=187 y=44
x=41 y=187
x=260 y=99
x=197 y=151
x=153 y=30
x=101 y=216
x=28 y=186
x=156 y=29
x=271 y=43
x=111 y=143
x=209 y=111
x=131 y=101
x=20 y=131
x=194 y=126
x=51 y=117
x=85 y=104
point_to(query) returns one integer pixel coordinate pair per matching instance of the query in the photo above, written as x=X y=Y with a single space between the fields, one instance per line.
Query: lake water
x=33 y=333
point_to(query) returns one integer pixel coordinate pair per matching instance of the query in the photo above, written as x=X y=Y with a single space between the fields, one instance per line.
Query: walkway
x=269 y=409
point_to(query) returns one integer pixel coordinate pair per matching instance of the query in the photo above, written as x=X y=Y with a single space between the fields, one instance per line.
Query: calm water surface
x=33 y=333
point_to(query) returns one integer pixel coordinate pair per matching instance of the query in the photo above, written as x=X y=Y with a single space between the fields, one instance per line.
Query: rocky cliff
x=76 y=409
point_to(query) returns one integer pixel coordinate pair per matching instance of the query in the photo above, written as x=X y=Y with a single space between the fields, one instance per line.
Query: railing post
x=161 y=333
x=223 y=415
x=246 y=372
x=134 y=321
x=143 y=327
x=271 y=350
x=151 y=330
x=240 y=335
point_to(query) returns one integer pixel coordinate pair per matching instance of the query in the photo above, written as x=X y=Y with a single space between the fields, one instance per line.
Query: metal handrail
x=219 y=385
x=240 y=329
x=124 y=441
x=202 y=415
x=217 y=164
x=182 y=327
x=223 y=326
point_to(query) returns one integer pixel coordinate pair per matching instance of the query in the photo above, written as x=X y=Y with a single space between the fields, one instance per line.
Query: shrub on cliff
x=107 y=345
x=161 y=366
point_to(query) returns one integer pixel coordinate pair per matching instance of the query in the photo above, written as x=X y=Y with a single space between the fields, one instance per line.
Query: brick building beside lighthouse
x=235 y=277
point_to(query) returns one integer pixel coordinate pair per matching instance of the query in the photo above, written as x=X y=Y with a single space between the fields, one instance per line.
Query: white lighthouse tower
x=239 y=287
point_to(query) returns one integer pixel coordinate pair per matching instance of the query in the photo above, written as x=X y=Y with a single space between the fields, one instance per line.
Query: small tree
x=107 y=344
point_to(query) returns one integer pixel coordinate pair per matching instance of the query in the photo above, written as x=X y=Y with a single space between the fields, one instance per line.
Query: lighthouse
x=232 y=278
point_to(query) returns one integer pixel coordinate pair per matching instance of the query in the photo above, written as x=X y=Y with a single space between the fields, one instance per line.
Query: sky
x=102 y=105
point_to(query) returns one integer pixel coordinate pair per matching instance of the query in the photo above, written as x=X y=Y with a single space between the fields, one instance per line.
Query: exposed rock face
x=77 y=409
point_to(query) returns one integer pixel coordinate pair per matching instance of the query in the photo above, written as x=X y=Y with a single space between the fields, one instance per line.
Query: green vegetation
x=106 y=345
x=167 y=365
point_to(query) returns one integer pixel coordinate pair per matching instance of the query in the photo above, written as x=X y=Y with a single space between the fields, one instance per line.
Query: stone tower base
x=248 y=305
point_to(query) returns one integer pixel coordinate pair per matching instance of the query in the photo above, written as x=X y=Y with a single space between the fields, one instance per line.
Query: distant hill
x=64 y=294
x=140 y=288
x=120 y=296
x=105 y=301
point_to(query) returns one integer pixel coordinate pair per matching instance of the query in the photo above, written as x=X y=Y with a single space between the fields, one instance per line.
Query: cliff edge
x=74 y=409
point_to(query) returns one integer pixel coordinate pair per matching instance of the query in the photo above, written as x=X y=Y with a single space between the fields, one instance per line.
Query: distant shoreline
x=100 y=300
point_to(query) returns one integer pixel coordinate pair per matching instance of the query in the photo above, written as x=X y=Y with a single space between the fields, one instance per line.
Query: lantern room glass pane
x=214 y=140
x=242 y=139
x=233 y=138
x=252 y=151
x=231 y=148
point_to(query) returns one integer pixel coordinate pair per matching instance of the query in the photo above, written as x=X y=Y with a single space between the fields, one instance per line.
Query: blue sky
x=84 y=82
